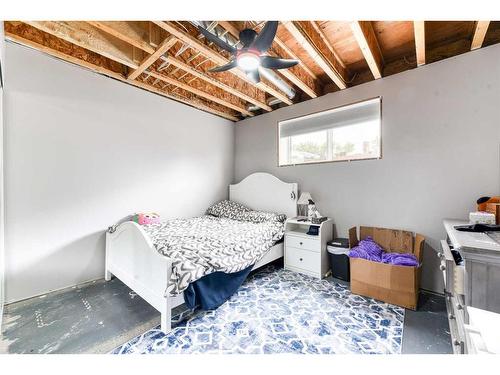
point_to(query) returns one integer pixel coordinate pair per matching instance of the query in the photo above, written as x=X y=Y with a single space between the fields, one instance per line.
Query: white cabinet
x=471 y=283
x=306 y=253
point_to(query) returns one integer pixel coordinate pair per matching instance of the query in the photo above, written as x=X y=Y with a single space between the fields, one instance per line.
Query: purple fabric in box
x=367 y=249
x=370 y=250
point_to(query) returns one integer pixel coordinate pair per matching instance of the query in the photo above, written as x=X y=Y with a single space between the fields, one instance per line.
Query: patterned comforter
x=202 y=245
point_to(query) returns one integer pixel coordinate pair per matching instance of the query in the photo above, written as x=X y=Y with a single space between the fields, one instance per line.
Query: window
x=351 y=132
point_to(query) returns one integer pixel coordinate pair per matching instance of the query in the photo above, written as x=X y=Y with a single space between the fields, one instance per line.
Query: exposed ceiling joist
x=419 y=30
x=50 y=51
x=200 y=93
x=108 y=72
x=293 y=55
x=479 y=34
x=184 y=100
x=217 y=58
x=89 y=37
x=326 y=42
x=148 y=61
x=367 y=41
x=189 y=69
x=128 y=31
x=304 y=32
x=306 y=84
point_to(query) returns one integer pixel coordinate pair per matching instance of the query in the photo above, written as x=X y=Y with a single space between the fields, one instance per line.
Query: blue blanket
x=214 y=289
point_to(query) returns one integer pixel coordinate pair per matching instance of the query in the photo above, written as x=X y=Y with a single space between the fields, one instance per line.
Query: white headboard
x=265 y=192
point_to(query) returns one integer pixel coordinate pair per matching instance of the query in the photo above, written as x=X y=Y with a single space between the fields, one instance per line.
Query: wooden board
x=420 y=41
x=493 y=34
x=480 y=30
x=441 y=33
x=311 y=38
x=395 y=38
x=368 y=43
x=134 y=33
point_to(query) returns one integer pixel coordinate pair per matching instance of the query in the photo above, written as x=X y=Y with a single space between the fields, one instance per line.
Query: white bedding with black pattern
x=201 y=245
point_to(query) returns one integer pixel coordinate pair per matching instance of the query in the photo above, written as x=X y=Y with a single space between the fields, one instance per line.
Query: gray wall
x=440 y=144
x=83 y=151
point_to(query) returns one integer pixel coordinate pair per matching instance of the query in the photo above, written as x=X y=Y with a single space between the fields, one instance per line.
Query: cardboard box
x=494 y=208
x=398 y=285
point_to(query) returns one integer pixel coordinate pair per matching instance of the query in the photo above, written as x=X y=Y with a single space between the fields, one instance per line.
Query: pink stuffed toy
x=146 y=218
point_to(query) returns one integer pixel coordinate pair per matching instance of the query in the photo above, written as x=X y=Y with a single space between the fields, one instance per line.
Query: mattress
x=202 y=245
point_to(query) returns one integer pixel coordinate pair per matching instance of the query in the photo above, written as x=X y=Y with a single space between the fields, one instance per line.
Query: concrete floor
x=426 y=331
x=92 y=318
x=84 y=319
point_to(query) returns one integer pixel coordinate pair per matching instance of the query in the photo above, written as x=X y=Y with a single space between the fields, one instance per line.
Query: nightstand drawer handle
x=301 y=259
x=300 y=243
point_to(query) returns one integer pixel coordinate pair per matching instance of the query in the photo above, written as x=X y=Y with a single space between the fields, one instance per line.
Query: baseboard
x=432 y=292
x=62 y=289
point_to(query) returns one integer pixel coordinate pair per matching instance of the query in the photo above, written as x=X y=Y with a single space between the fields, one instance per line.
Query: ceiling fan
x=251 y=55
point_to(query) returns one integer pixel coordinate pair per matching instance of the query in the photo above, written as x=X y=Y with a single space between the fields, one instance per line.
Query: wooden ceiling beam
x=419 y=31
x=72 y=58
x=181 y=99
x=327 y=43
x=149 y=60
x=200 y=93
x=367 y=41
x=306 y=35
x=89 y=37
x=479 y=33
x=304 y=83
x=293 y=55
x=216 y=57
x=128 y=31
x=233 y=30
x=189 y=69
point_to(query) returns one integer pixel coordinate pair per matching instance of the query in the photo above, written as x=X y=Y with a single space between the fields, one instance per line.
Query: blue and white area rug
x=279 y=311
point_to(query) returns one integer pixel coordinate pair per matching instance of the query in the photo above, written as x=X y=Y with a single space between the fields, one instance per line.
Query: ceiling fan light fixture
x=248 y=61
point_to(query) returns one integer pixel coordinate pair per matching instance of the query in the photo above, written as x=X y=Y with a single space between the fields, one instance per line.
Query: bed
x=132 y=257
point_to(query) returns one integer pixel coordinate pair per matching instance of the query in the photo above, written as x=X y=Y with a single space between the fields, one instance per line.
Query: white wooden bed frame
x=132 y=258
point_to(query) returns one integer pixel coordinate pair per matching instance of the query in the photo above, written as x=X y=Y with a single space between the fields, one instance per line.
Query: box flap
x=391 y=240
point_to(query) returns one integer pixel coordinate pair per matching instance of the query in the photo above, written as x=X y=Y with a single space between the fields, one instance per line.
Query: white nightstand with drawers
x=306 y=253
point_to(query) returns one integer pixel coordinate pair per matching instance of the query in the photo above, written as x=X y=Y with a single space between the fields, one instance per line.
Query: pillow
x=262 y=216
x=227 y=209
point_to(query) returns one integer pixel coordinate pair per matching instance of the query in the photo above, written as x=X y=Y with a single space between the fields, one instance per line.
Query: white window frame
x=329 y=138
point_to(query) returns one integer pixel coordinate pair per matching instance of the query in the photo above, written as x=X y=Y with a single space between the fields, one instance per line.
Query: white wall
x=83 y=151
x=441 y=140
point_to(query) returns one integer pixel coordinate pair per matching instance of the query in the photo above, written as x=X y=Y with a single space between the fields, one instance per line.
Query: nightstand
x=306 y=253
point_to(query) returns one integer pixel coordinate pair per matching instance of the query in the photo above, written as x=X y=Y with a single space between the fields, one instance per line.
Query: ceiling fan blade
x=254 y=75
x=215 y=39
x=247 y=36
x=230 y=65
x=276 y=63
x=265 y=38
